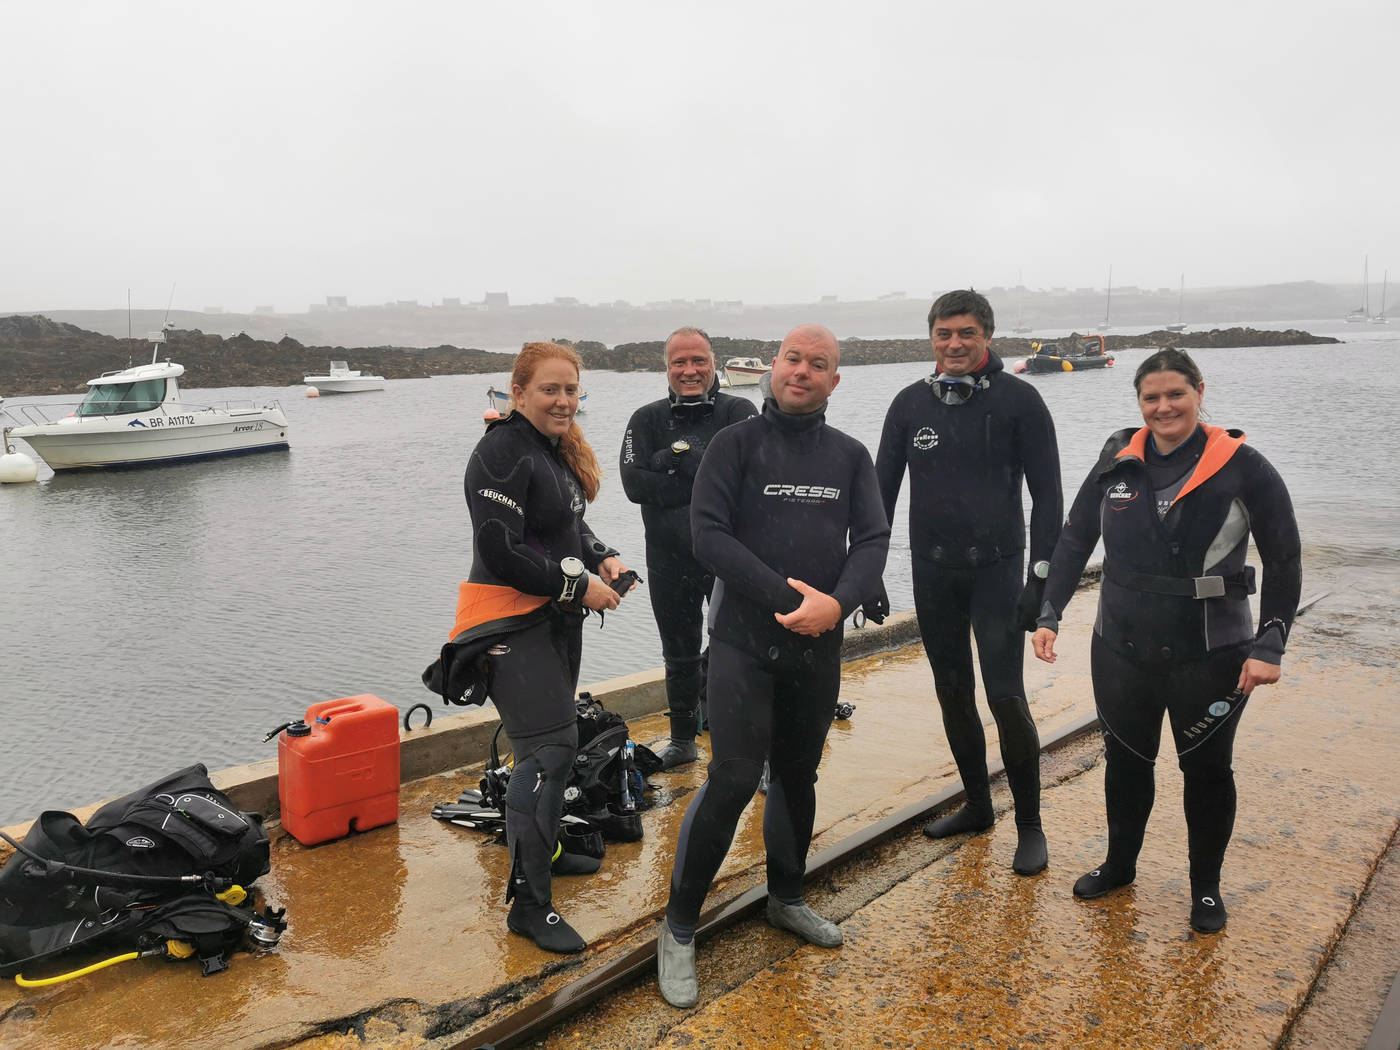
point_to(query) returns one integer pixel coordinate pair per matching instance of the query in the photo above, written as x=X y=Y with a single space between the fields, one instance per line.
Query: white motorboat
x=342 y=379
x=744 y=371
x=136 y=416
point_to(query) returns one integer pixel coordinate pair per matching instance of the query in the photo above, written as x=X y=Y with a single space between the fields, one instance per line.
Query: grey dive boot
x=675 y=969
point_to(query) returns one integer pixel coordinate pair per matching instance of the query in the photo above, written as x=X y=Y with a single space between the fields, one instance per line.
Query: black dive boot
x=1128 y=794
x=545 y=926
x=534 y=800
x=1032 y=851
x=968 y=744
x=1020 y=753
x=1207 y=909
x=1104 y=879
x=975 y=815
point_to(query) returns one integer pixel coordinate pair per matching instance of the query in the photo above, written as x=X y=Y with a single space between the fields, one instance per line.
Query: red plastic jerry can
x=340 y=772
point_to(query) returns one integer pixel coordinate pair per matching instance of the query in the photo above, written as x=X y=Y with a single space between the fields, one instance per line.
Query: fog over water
x=270 y=154
x=157 y=617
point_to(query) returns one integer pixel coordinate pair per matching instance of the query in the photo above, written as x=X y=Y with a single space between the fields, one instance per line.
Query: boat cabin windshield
x=115 y=399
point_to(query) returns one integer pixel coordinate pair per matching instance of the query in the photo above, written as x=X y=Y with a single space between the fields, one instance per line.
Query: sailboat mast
x=1108 y=303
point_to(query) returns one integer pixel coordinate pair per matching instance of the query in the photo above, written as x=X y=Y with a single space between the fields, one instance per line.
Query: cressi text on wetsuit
x=967 y=533
x=527 y=511
x=661 y=452
x=777 y=496
x=1175 y=527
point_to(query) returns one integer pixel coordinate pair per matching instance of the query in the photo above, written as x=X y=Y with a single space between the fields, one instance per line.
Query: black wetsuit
x=1177 y=523
x=527 y=514
x=660 y=480
x=967 y=534
x=777 y=496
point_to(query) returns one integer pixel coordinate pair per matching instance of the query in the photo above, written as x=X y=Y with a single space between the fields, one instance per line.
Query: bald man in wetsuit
x=786 y=513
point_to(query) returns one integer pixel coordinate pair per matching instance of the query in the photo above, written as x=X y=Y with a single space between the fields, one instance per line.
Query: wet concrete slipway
x=397 y=936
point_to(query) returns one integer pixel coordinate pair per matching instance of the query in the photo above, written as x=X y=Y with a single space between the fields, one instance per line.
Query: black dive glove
x=624 y=582
x=1028 y=605
x=877 y=607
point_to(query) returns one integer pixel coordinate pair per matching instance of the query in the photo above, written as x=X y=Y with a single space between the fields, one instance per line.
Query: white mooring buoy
x=311 y=391
x=15 y=468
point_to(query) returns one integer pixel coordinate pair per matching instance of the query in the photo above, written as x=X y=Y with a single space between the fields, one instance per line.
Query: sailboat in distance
x=1180 y=324
x=1381 y=318
x=1362 y=313
x=1108 y=303
x=1021 y=328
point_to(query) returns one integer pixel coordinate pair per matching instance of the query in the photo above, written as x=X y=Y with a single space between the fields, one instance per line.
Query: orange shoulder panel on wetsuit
x=483 y=602
x=1220 y=446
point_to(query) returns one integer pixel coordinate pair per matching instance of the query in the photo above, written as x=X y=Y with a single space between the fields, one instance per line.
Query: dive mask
x=955 y=390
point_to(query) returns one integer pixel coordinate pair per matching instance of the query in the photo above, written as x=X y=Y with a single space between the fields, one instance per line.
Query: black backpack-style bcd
x=156 y=866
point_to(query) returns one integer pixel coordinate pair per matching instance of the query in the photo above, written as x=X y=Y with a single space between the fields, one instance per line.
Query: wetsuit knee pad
x=537 y=785
x=682 y=664
x=1209 y=771
x=794 y=774
x=733 y=781
x=1019 y=739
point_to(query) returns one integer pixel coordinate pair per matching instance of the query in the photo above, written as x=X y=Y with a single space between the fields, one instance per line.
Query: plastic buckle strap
x=1209 y=586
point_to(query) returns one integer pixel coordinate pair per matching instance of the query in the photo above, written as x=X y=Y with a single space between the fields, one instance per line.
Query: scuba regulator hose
x=213 y=883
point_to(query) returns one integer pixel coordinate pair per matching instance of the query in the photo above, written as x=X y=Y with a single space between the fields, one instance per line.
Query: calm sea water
x=157 y=617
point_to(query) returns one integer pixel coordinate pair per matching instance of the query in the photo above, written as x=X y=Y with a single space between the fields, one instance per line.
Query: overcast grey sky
x=276 y=153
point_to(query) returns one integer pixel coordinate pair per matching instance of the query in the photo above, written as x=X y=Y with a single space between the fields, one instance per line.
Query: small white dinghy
x=342 y=379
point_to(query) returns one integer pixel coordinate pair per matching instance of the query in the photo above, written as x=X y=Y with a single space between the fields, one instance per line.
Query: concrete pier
x=397 y=936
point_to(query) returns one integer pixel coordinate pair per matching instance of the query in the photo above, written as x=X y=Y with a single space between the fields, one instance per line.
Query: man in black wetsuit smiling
x=968 y=434
x=661 y=452
x=786 y=513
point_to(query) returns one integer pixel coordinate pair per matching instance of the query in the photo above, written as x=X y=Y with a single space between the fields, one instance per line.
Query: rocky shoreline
x=39 y=356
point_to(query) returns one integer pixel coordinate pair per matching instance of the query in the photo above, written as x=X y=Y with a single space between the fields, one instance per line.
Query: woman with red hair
x=527 y=484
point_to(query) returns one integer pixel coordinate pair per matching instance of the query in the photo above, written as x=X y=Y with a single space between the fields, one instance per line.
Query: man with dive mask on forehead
x=968 y=434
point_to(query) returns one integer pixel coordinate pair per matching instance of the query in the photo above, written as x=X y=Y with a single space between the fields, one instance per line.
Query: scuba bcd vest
x=166 y=863
x=603 y=797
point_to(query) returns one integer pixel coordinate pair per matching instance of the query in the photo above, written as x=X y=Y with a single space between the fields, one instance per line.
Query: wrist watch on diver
x=573 y=573
x=1040 y=569
x=680 y=446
